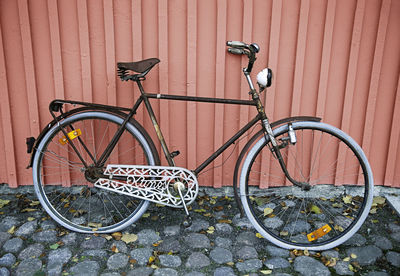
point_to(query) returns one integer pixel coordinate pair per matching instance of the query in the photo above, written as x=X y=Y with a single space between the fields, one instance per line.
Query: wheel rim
x=288 y=214
x=79 y=205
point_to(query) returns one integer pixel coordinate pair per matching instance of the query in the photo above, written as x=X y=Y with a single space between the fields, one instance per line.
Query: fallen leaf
x=347 y=199
x=107 y=237
x=28 y=210
x=3 y=202
x=207 y=215
x=153 y=266
x=151 y=259
x=11 y=230
x=266 y=272
x=284 y=233
x=54 y=246
x=30 y=218
x=157 y=243
x=94 y=225
x=225 y=221
x=213 y=201
x=337 y=205
x=116 y=235
x=114 y=249
x=35 y=203
x=372 y=211
x=346 y=259
x=315 y=209
x=378 y=200
x=146 y=215
x=354 y=256
x=128 y=238
x=211 y=230
x=306 y=253
x=230 y=263
x=258 y=235
x=268 y=211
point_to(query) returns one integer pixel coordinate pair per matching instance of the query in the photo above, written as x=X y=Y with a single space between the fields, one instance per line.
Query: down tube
x=227 y=144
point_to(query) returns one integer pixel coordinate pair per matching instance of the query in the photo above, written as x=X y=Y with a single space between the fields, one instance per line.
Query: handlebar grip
x=236 y=44
x=236 y=51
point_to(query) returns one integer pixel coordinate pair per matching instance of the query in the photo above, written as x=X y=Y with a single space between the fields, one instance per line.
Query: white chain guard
x=152 y=183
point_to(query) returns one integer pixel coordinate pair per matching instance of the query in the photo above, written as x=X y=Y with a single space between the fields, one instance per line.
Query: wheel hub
x=92 y=173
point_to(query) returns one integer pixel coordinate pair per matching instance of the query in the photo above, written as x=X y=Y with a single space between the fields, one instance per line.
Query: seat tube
x=156 y=126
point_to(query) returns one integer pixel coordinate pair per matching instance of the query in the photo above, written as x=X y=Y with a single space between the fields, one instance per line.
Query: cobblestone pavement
x=217 y=243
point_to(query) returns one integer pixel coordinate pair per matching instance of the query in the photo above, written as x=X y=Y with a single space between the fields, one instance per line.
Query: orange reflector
x=319 y=233
x=71 y=135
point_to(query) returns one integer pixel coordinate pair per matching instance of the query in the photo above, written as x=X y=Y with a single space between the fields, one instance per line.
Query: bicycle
x=110 y=169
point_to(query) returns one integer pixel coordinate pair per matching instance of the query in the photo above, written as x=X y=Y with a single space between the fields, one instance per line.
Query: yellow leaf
x=146 y=215
x=230 y=263
x=225 y=221
x=284 y=233
x=200 y=210
x=211 y=230
x=347 y=199
x=207 y=215
x=315 y=209
x=258 y=235
x=151 y=259
x=351 y=268
x=268 y=211
x=94 y=225
x=128 y=238
x=11 y=230
x=378 y=200
x=34 y=203
x=160 y=205
x=354 y=256
x=346 y=259
x=306 y=253
x=153 y=266
x=31 y=219
x=116 y=235
x=3 y=202
x=157 y=243
x=28 y=210
x=213 y=201
x=266 y=272
x=372 y=211
x=107 y=237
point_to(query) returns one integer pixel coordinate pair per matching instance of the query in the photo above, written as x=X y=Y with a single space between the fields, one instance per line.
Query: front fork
x=276 y=152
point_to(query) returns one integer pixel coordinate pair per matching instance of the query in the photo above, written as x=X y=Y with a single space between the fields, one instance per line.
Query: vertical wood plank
x=163 y=73
x=31 y=90
x=220 y=85
x=191 y=82
x=85 y=50
x=350 y=85
x=394 y=143
x=375 y=75
x=273 y=59
x=6 y=121
x=110 y=51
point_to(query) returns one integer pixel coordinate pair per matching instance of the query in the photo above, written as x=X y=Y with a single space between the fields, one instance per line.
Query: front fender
x=255 y=138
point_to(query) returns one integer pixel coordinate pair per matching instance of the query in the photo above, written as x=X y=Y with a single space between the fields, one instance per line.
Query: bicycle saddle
x=139 y=66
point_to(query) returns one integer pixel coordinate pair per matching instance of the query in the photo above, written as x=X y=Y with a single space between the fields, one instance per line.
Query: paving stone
x=276 y=263
x=197 y=260
x=247 y=238
x=194 y=273
x=221 y=255
x=223 y=242
x=330 y=254
x=4 y=271
x=396 y=236
x=223 y=228
x=308 y=266
x=110 y=274
x=141 y=255
x=377 y=273
x=298 y=226
x=120 y=246
x=32 y=251
x=196 y=240
x=9 y=222
x=170 y=245
x=57 y=258
x=148 y=237
x=27 y=228
x=249 y=265
x=141 y=271
x=13 y=245
x=198 y=225
x=393 y=258
x=242 y=222
x=94 y=242
x=342 y=268
x=70 y=239
x=29 y=267
x=224 y=271
x=48 y=225
x=246 y=252
x=383 y=243
x=165 y=272
x=277 y=252
x=85 y=268
x=355 y=240
x=96 y=253
x=394 y=227
x=117 y=261
x=172 y=230
x=8 y=260
x=365 y=255
x=4 y=236
x=47 y=236
x=273 y=223
x=170 y=260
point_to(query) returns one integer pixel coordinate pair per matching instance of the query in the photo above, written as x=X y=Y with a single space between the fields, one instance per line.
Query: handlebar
x=241 y=48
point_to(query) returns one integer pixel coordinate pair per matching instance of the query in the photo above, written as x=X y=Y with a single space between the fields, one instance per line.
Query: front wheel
x=65 y=187
x=340 y=181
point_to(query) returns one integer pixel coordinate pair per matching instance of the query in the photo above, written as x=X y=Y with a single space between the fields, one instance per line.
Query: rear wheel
x=65 y=187
x=340 y=195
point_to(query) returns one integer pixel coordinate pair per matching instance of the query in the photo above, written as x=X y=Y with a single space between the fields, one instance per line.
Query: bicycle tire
x=72 y=204
x=292 y=218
